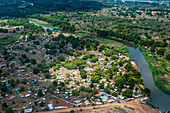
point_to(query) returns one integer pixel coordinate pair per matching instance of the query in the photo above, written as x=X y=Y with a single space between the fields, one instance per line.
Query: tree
x=12 y=82
x=101 y=86
x=95 y=79
x=72 y=111
x=33 y=61
x=36 y=70
x=9 y=110
x=4 y=89
x=107 y=90
x=131 y=82
x=127 y=93
x=119 y=82
x=91 y=85
x=55 y=83
x=114 y=94
x=147 y=91
x=61 y=58
x=24 y=81
x=46 y=46
x=121 y=63
x=23 y=56
x=26 y=49
x=168 y=57
x=47 y=75
x=75 y=92
x=27 y=60
x=22 y=88
x=62 y=84
x=42 y=104
x=82 y=88
x=137 y=74
x=161 y=51
x=17 y=81
x=57 y=101
x=4 y=105
x=40 y=94
x=94 y=59
x=152 y=49
x=95 y=91
x=83 y=74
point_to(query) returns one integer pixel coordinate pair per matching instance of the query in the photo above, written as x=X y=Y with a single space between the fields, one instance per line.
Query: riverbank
x=160 y=83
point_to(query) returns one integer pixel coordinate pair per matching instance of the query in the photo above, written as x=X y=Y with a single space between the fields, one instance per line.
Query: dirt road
x=138 y=108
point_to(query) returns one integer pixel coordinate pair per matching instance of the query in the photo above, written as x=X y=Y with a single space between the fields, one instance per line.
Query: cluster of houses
x=28 y=97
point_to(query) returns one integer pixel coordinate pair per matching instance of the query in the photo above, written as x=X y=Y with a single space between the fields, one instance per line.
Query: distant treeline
x=132 y=38
x=19 y=9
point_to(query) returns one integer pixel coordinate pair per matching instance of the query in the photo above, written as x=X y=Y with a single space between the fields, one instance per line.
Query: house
x=104 y=98
x=97 y=95
x=77 y=101
x=110 y=101
x=61 y=107
x=99 y=103
x=51 y=107
x=29 y=110
x=135 y=66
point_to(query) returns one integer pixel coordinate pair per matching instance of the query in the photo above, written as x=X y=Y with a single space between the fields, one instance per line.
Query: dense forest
x=21 y=8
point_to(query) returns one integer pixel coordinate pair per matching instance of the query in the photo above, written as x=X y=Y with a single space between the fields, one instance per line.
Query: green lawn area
x=43 y=23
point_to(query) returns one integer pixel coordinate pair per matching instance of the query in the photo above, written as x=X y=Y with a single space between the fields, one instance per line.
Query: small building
x=97 y=95
x=135 y=66
x=77 y=101
x=29 y=110
x=51 y=107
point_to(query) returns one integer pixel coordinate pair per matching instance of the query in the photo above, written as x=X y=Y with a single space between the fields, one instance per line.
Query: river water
x=159 y=98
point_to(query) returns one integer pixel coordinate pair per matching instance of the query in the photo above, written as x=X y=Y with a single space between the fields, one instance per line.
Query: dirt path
x=138 y=108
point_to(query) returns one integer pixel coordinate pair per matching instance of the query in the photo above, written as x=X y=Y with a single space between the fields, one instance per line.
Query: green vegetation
x=9 y=39
x=44 y=24
x=158 y=73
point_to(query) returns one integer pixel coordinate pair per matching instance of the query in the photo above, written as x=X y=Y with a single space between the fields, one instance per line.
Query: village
x=36 y=80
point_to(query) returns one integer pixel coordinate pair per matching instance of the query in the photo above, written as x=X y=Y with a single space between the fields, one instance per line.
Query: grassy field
x=43 y=23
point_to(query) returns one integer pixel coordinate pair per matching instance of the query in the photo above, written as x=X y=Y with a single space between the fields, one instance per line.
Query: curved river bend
x=159 y=98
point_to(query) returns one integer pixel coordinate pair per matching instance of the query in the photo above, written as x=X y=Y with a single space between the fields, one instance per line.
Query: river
x=159 y=98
